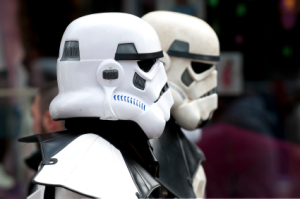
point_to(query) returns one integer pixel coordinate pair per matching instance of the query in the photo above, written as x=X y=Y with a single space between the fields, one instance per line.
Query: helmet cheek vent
x=199 y=67
x=146 y=65
x=186 y=78
x=139 y=82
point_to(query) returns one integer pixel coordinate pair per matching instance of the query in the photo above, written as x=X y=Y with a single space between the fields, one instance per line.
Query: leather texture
x=33 y=163
x=51 y=143
x=147 y=185
x=49 y=192
x=179 y=160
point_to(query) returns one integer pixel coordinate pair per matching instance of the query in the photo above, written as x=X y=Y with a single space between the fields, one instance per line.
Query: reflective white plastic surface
x=91 y=166
x=170 y=26
x=84 y=93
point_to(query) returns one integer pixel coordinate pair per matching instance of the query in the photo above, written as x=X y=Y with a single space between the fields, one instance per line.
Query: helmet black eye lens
x=146 y=65
x=200 y=67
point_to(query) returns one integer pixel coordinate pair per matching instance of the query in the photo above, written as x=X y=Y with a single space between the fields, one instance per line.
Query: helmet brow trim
x=181 y=49
x=129 y=52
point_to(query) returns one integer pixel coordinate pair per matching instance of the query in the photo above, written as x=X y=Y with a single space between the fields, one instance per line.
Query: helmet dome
x=108 y=68
x=192 y=50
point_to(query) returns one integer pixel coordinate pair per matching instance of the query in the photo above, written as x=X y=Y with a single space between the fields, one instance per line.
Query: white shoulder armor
x=90 y=166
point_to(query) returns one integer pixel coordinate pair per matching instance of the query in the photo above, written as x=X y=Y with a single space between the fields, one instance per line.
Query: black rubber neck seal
x=110 y=130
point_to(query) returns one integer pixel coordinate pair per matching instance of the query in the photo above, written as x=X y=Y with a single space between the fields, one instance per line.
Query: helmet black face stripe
x=181 y=49
x=129 y=52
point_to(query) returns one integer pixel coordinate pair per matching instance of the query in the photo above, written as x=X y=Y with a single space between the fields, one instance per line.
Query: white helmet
x=108 y=68
x=191 y=52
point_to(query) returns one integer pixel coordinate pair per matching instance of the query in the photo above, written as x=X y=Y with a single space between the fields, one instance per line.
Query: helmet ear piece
x=166 y=61
x=110 y=73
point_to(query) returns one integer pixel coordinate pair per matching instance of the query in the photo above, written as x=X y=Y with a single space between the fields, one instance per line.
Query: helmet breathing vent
x=71 y=51
x=139 y=82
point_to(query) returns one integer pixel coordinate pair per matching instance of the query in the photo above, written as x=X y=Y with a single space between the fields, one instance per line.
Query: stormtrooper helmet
x=191 y=52
x=108 y=68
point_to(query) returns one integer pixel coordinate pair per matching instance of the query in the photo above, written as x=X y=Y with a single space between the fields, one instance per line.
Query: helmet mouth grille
x=71 y=51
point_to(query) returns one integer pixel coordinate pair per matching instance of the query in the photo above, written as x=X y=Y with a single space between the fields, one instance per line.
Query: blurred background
x=252 y=144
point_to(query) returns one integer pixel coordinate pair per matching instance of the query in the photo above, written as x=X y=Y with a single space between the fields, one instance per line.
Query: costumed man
x=191 y=52
x=114 y=97
x=42 y=122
